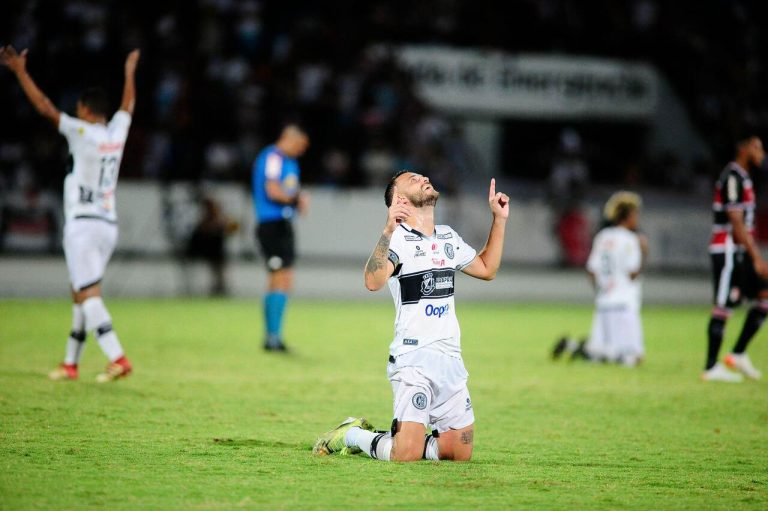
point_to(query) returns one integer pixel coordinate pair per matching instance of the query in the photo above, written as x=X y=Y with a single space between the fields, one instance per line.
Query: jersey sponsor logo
x=110 y=147
x=439 y=311
x=469 y=405
x=427 y=284
x=419 y=252
x=291 y=182
x=448 y=250
x=419 y=400
x=409 y=237
x=411 y=342
x=423 y=284
x=438 y=262
x=445 y=236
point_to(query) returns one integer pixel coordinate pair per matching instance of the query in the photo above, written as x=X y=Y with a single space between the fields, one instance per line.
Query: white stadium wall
x=344 y=225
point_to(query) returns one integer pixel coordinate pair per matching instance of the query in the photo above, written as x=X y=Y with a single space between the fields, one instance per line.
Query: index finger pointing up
x=492 y=191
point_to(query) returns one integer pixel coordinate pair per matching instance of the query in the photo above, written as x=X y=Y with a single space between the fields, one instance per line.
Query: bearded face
x=419 y=193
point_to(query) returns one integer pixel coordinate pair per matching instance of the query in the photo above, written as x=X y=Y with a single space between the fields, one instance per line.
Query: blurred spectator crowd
x=218 y=77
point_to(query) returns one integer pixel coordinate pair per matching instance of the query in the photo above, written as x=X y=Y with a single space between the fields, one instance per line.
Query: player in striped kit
x=90 y=233
x=739 y=270
x=419 y=260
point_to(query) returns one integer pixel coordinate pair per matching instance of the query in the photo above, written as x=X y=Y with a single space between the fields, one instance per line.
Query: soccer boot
x=742 y=363
x=719 y=372
x=333 y=441
x=275 y=343
x=560 y=347
x=120 y=368
x=64 y=372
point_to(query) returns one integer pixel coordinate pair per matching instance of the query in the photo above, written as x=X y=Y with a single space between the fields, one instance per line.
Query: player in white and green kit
x=418 y=260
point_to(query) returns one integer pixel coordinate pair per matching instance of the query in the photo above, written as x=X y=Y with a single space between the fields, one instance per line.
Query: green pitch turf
x=209 y=421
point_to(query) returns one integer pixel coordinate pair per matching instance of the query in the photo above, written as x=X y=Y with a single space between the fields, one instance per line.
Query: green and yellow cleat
x=333 y=441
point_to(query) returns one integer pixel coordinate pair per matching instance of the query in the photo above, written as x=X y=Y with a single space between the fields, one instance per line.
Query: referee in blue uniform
x=277 y=198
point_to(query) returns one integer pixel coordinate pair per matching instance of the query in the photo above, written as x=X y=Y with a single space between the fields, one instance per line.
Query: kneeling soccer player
x=614 y=266
x=419 y=260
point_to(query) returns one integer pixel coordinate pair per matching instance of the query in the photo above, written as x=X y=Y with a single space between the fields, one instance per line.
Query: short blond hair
x=620 y=205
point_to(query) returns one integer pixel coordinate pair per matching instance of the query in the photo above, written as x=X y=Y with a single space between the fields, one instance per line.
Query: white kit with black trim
x=96 y=149
x=422 y=287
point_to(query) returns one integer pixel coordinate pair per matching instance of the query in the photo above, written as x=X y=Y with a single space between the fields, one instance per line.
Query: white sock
x=376 y=445
x=76 y=341
x=432 y=451
x=98 y=321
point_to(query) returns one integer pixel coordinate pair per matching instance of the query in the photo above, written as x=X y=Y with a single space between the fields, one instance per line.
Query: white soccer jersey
x=615 y=255
x=422 y=288
x=89 y=190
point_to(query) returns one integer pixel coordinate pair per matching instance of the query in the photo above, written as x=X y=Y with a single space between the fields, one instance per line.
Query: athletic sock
x=431 y=448
x=98 y=321
x=752 y=324
x=76 y=340
x=715 y=337
x=376 y=445
x=274 y=308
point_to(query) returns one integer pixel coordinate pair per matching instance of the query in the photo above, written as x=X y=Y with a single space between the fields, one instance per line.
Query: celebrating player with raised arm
x=418 y=260
x=90 y=232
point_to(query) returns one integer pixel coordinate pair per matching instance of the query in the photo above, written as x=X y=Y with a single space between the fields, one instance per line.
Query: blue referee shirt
x=273 y=165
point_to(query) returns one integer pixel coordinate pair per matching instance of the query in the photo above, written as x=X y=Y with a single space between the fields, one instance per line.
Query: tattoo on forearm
x=378 y=258
x=467 y=437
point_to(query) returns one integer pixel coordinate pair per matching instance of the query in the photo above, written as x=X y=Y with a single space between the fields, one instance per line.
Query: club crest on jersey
x=419 y=400
x=427 y=284
x=449 y=250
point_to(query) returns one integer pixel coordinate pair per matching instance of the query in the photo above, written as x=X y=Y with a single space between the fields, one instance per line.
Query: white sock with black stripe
x=431 y=448
x=374 y=444
x=76 y=341
x=98 y=321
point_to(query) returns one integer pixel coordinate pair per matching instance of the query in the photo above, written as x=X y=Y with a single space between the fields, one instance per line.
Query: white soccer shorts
x=88 y=245
x=430 y=387
x=616 y=334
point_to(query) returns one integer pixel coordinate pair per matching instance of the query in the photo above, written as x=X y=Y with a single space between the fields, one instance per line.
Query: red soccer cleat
x=64 y=372
x=120 y=368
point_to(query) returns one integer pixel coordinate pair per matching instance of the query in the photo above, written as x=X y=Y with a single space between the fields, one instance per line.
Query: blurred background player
x=207 y=242
x=614 y=265
x=418 y=260
x=90 y=231
x=277 y=198
x=738 y=269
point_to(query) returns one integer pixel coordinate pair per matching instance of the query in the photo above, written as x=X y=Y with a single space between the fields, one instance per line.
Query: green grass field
x=209 y=421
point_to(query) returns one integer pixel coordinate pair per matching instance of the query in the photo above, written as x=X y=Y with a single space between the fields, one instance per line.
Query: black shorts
x=734 y=278
x=277 y=245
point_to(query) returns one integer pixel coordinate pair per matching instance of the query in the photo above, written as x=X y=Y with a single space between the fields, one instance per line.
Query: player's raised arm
x=488 y=260
x=129 y=88
x=18 y=64
x=380 y=265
